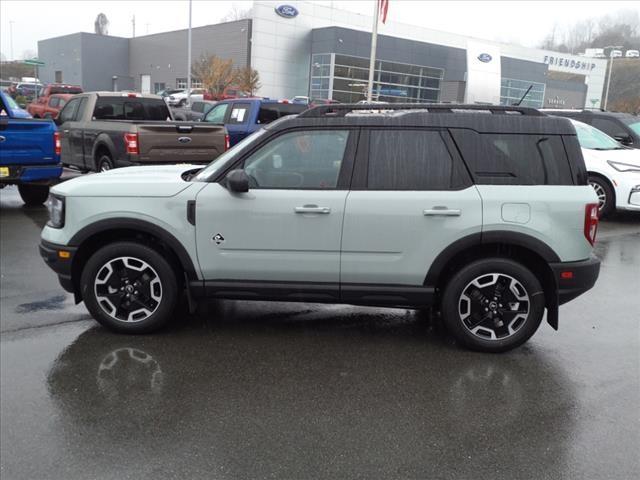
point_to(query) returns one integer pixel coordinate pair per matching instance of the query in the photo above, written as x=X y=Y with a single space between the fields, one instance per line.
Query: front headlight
x=624 y=167
x=55 y=205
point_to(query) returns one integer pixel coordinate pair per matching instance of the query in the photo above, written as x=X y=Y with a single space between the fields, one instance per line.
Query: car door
x=237 y=121
x=77 y=137
x=411 y=198
x=287 y=227
x=66 y=121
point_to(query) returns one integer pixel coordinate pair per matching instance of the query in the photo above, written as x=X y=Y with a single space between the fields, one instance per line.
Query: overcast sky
x=522 y=22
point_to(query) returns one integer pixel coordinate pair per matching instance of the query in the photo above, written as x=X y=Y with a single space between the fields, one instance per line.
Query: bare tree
x=236 y=13
x=248 y=80
x=215 y=73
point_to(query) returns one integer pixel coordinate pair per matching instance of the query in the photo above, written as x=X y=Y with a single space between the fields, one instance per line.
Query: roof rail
x=341 y=109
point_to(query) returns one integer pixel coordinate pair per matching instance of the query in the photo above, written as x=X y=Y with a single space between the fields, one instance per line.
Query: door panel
x=392 y=237
x=258 y=235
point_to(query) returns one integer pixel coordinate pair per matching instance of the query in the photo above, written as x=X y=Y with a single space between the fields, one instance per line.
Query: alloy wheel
x=128 y=289
x=601 y=193
x=494 y=306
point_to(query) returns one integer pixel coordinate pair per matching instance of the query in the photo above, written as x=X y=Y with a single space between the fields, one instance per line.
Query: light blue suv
x=483 y=212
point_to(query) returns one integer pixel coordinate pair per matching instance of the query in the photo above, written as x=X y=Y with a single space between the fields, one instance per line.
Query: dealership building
x=301 y=48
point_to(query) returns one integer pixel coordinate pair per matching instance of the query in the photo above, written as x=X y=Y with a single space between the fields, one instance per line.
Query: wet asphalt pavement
x=298 y=391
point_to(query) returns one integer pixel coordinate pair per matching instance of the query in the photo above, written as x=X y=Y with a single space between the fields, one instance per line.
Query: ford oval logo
x=184 y=139
x=287 y=11
x=485 y=57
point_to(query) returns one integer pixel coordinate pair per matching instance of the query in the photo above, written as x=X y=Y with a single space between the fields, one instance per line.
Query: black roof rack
x=341 y=109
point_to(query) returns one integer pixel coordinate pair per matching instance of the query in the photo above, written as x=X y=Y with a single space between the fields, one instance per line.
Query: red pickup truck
x=52 y=99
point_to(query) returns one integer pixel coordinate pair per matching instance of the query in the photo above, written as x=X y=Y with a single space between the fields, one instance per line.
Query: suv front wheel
x=129 y=288
x=493 y=305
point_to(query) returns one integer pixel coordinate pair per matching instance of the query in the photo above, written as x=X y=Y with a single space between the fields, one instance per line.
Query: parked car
x=623 y=127
x=180 y=99
x=632 y=53
x=195 y=112
x=52 y=88
x=229 y=93
x=49 y=106
x=242 y=117
x=29 y=153
x=169 y=91
x=103 y=130
x=321 y=101
x=28 y=90
x=614 y=170
x=471 y=213
x=300 y=99
x=615 y=53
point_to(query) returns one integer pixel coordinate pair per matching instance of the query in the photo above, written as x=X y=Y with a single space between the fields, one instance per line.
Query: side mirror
x=237 y=181
x=57 y=120
x=624 y=139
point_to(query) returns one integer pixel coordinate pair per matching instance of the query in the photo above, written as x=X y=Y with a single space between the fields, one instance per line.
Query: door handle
x=440 y=211
x=2 y=139
x=312 y=209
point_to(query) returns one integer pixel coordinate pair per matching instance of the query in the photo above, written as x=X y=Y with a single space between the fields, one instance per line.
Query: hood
x=151 y=181
x=630 y=155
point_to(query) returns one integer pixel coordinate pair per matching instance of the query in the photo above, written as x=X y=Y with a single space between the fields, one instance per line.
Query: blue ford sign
x=287 y=11
x=485 y=57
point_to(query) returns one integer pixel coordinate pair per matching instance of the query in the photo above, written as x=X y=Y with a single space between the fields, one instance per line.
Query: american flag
x=384 y=7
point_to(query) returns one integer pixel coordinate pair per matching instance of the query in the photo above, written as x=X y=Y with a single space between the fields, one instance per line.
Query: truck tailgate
x=26 y=141
x=177 y=142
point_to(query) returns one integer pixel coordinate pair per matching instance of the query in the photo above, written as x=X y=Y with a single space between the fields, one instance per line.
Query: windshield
x=12 y=103
x=227 y=156
x=594 y=139
x=635 y=126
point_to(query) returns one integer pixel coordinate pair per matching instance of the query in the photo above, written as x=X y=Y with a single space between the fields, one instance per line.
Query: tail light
x=131 y=143
x=56 y=143
x=591 y=222
x=227 y=142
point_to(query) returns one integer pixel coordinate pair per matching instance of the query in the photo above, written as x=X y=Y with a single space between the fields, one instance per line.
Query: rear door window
x=411 y=160
x=239 y=113
x=68 y=113
x=514 y=159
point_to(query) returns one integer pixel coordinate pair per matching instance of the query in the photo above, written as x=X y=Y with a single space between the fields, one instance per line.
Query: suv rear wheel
x=129 y=288
x=493 y=305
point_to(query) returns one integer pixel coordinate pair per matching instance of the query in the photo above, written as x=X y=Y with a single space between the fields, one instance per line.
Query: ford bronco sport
x=482 y=212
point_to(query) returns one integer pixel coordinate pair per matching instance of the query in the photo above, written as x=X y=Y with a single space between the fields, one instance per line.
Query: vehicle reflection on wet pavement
x=276 y=390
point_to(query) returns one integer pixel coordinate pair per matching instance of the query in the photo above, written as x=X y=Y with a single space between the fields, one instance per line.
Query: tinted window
x=515 y=159
x=130 y=108
x=68 y=113
x=299 y=160
x=81 y=108
x=272 y=111
x=239 y=113
x=197 y=107
x=611 y=128
x=409 y=160
x=217 y=113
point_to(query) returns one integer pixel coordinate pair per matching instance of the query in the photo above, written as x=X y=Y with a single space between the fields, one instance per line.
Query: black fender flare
x=141 y=226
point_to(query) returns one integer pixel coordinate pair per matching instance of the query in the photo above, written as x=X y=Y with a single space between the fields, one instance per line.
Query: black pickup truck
x=103 y=130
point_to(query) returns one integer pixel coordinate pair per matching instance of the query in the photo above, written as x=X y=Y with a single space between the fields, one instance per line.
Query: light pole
x=189 y=59
x=606 y=95
x=11 y=22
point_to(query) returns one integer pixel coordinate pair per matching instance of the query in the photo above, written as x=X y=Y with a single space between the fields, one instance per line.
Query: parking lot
x=256 y=390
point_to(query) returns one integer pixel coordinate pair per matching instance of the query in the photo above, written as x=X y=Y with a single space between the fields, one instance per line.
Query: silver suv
x=483 y=212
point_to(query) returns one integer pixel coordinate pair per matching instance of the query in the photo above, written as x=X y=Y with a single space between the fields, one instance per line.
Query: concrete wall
x=518 y=69
x=163 y=56
x=64 y=54
x=84 y=59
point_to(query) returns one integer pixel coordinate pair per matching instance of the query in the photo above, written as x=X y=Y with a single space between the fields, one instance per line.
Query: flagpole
x=374 y=41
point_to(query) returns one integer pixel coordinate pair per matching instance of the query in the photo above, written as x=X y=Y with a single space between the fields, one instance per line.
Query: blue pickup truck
x=243 y=116
x=29 y=152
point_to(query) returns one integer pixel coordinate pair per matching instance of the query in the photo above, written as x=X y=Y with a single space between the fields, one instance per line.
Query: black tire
x=606 y=195
x=104 y=163
x=33 y=195
x=462 y=300
x=111 y=281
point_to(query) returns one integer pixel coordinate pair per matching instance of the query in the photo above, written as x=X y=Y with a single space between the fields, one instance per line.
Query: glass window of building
x=512 y=91
x=393 y=82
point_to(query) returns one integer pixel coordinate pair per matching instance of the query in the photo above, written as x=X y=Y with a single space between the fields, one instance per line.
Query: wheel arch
x=103 y=142
x=101 y=233
x=531 y=252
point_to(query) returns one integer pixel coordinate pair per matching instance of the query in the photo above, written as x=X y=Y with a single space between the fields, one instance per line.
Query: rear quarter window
x=515 y=159
x=270 y=112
